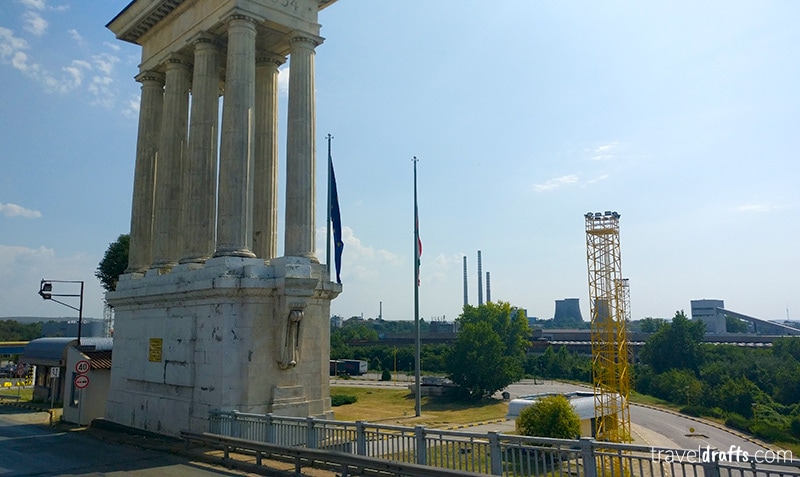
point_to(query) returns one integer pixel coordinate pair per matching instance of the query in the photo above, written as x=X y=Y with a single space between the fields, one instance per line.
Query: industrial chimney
x=466 y=294
x=480 y=281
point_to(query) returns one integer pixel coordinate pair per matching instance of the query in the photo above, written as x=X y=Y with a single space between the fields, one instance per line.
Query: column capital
x=304 y=38
x=239 y=15
x=264 y=57
x=149 y=75
x=176 y=59
x=203 y=38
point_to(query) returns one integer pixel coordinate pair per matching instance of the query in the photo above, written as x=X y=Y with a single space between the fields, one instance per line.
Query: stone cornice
x=139 y=16
x=145 y=16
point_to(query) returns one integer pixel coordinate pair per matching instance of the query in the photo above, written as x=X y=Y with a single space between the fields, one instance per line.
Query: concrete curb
x=730 y=430
x=473 y=424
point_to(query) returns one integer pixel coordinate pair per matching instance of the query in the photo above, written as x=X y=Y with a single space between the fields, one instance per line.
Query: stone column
x=265 y=185
x=200 y=193
x=235 y=213
x=168 y=218
x=150 y=110
x=300 y=149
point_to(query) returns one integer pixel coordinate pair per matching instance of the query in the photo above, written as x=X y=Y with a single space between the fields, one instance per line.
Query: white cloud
x=755 y=208
x=76 y=36
x=14 y=210
x=34 y=4
x=599 y=178
x=103 y=95
x=604 y=152
x=130 y=108
x=34 y=23
x=10 y=44
x=283 y=80
x=113 y=46
x=75 y=73
x=556 y=183
x=22 y=268
x=359 y=262
x=72 y=76
x=20 y=62
x=105 y=62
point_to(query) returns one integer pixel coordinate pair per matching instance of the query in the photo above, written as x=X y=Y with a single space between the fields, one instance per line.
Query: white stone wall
x=222 y=328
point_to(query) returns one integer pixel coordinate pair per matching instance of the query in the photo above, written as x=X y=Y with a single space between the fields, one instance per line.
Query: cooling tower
x=568 y=309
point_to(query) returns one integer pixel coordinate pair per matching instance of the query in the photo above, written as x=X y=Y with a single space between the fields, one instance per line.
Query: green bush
x=386 y=375
x=550 y=416
x=771 y=433
x=342 y=399
x=736 y=421
x=703 y=411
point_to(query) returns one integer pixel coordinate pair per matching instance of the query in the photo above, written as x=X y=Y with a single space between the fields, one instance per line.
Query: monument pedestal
x=230 y=334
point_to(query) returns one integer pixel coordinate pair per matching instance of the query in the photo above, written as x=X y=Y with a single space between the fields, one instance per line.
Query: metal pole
x=80 y=315
x=417 y=403
x=53 y=391
x=328 y=226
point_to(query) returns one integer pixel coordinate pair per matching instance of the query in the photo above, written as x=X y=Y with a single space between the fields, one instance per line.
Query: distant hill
x=44 y=319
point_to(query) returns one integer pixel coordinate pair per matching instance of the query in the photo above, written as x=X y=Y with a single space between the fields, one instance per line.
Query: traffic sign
x=54 y=371
x=81 y=381
x=82 y=366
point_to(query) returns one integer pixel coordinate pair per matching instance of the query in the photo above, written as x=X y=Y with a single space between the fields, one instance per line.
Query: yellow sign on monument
x=156 y=347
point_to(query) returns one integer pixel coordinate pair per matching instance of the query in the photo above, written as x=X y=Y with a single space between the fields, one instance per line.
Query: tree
x=550 y=416
x=489 y=352
x=114 y=262
x=11 y=330
x=735 y=325
x=651 y=325
x=675 y=345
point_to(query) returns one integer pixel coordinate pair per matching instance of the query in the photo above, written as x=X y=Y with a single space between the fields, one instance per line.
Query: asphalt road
x=650 y=427
x=654 y=427
x=30 y=447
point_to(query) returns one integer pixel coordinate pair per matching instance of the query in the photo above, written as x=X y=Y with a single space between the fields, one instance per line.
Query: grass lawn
x=13 y=393
x=396 y=406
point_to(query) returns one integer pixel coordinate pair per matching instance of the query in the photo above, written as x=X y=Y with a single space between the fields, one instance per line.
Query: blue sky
x=681 y=116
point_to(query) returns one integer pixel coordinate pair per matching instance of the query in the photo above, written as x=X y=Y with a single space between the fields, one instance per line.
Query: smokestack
x=488 y=289
x=480 y=281
x=466 y=294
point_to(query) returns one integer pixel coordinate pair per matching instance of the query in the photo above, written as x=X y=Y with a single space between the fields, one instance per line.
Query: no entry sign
x=81 y=381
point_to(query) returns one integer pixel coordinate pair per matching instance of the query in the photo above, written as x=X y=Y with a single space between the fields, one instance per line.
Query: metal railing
x=492 y=453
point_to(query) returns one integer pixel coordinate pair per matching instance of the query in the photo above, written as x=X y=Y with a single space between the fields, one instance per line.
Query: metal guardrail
x=492 y=453
x=343 y=463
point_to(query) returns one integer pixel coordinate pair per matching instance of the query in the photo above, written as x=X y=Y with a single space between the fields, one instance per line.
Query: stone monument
x=207 y=316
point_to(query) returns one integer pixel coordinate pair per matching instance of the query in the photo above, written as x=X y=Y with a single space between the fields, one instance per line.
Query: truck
x=352 y=367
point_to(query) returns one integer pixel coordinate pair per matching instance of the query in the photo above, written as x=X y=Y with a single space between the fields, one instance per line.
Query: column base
x=194 y=259
x=239 y=252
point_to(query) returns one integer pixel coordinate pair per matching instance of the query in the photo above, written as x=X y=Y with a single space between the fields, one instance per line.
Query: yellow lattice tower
x=607 y=300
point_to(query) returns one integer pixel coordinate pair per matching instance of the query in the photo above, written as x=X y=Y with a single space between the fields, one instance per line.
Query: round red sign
x=82 y=367
x=81 y=381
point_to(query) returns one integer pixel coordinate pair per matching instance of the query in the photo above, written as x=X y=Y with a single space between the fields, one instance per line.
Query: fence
x=493 y=453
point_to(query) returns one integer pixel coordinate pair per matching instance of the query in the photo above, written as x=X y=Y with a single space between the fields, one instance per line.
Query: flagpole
x=417 y=401
x=328 y=226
